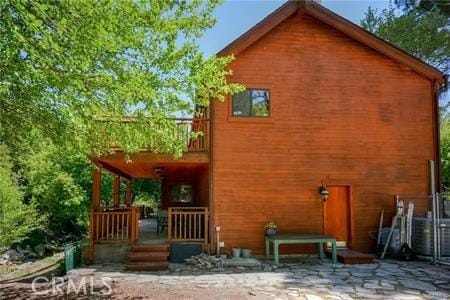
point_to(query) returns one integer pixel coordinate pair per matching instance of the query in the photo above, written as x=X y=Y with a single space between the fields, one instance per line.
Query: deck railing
x=110 y=225
x=194 y=132
x=196 y=125
x=188 y=224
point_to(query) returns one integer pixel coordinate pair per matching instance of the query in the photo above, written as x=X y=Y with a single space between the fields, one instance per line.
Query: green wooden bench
x=290 y=238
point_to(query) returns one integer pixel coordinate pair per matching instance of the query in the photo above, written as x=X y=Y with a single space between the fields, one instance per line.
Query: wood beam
x=96 y=187
x=116 y=191
x=128 y=195
x=114 y=170
x=190 y=157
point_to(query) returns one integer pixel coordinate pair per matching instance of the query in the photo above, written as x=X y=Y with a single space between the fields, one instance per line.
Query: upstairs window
x=251 y=103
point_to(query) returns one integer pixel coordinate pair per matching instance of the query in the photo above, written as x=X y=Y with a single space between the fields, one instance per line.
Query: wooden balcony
x=198 y=126
x=193 y=131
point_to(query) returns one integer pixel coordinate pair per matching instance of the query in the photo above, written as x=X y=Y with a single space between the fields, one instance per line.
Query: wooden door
x=337 y=214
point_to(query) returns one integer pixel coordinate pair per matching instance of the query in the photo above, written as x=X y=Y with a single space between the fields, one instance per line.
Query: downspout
x=437 y=87
x=211 y=177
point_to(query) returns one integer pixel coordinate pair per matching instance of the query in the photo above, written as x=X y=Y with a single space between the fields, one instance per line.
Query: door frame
x=350 y=213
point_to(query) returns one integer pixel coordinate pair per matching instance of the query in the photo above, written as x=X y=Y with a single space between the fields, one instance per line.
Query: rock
x=204 y=261
x=416 y=284
x=13 y=255
x=312 y=297
x=40 y=250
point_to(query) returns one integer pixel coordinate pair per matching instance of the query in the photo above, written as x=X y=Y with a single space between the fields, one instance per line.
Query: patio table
x=290 y=238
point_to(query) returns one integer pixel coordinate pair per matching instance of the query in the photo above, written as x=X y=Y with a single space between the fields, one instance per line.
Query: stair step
x=150 y=248
x=147 y=266
x=148 y=256
x=353 y=257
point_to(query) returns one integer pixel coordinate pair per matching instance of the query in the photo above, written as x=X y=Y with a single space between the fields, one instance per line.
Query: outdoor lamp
x=158 y=170
x=323 y=192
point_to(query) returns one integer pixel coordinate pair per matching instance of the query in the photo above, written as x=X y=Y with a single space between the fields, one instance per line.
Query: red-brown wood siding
x=195 y=176
x=340 y=112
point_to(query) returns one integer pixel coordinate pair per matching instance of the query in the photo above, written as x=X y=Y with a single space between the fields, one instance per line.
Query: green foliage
x=58 y=182
x=147 y=192
x=67 y=64
x=145 y=199
x=422 y=34
x=445 y=148
x=425 y=5
x=17 y=219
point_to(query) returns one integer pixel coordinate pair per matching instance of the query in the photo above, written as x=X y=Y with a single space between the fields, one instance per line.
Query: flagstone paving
x=308 y=279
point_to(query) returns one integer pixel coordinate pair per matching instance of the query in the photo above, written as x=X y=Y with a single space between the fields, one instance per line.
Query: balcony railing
x=110 y=225
x=194 y=132
x=200 y=127
x=188 y=224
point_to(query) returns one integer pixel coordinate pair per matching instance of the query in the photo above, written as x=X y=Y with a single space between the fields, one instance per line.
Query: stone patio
x=300 y=279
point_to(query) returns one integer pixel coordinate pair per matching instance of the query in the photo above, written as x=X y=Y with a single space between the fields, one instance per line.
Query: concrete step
x=150 y=248
x=148 y=256
x=147 y=266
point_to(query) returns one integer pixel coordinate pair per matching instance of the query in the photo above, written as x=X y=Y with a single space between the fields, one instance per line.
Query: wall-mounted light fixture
x=159 y=170
x=323 y=191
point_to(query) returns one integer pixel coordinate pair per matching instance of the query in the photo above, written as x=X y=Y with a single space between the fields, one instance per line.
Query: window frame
x=251 y=117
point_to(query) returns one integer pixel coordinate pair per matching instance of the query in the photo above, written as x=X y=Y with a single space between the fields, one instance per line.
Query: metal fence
x=72 y=255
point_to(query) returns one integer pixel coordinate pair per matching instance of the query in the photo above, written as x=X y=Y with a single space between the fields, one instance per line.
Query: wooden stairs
x=351 y=257
x=148 y=257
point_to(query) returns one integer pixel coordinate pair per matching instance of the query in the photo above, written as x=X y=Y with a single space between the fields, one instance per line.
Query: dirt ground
x=23 y=290
x=311 y=279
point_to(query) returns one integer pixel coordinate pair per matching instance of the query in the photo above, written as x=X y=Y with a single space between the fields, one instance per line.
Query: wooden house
x=327 y=103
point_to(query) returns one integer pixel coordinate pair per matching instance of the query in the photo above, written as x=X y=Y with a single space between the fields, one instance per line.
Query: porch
x=124 y=225
x=183 y=184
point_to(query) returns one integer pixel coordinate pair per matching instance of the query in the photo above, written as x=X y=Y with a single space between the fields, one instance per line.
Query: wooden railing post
x=133 y=226
x=116 y=191
x=169 y=224
x=206 y=228
x=128 y=195
x=137 y=218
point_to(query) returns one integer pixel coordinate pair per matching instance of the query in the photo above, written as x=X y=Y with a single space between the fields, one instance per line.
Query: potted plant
x=271 y=228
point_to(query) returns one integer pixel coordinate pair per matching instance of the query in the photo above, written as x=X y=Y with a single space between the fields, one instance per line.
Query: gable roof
x=334 y=20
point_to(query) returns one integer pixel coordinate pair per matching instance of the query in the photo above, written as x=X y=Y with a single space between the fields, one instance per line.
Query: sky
x=234 y=17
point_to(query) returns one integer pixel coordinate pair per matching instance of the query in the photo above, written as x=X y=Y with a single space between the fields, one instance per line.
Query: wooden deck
x=351 y=257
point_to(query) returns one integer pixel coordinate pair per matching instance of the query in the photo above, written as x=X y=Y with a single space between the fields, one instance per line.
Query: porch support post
x=128 y=193
x=116 y=191
x=96 y=187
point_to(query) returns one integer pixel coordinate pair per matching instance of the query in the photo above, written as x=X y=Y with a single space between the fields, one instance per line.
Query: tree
x=66 y=64
x=424 y=5
x=423 y=34
x=58 y=183
x=17 y=219
x=445 y=149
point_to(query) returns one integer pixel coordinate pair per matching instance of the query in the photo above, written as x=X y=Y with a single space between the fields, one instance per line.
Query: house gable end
x=337 y=22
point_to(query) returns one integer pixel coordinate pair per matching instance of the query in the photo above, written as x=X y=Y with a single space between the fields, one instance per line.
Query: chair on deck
x=161 y=220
